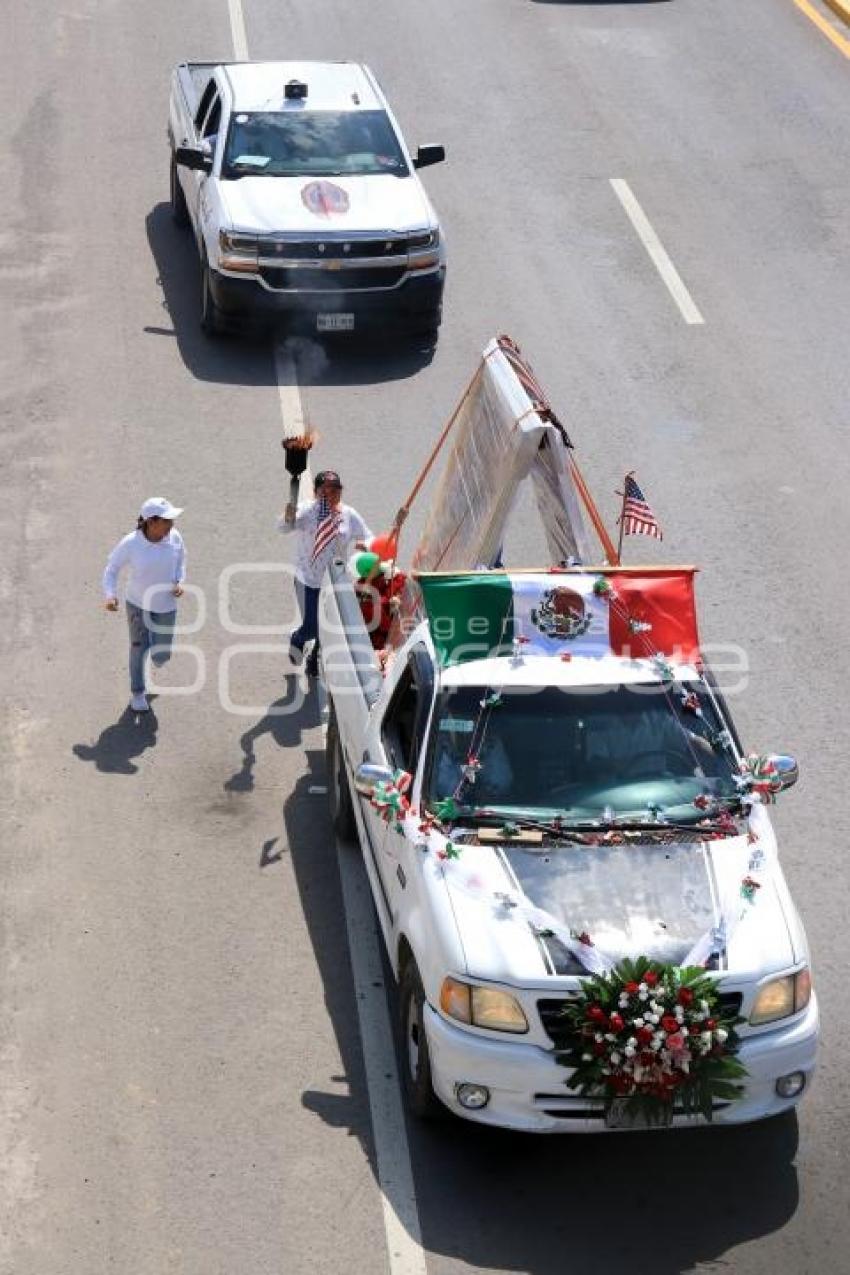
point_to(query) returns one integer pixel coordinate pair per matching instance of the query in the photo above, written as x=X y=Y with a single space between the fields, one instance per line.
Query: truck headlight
x=782 y=997
x=237 y=252
x=423 y=250
x=482 y=1006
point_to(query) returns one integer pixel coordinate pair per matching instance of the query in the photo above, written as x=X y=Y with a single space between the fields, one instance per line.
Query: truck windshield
x=312 y=143
x=588 y=753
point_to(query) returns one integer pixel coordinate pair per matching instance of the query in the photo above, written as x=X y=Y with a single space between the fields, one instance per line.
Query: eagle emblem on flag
x=561 y=614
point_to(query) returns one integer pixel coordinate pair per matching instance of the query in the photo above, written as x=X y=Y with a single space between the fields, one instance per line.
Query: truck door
x=402 y=738
x=208 y=129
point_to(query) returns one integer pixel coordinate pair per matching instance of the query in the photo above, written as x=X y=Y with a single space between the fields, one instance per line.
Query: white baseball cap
x=159 y=507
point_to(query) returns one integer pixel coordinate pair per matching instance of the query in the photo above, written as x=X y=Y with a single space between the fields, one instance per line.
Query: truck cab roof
x=331 y=86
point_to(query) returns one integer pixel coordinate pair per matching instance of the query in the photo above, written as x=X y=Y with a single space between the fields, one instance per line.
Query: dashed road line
x=392 y=1153
x=657 y=252
x=237 y=29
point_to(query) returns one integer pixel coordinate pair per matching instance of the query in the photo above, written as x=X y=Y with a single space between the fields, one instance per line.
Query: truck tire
x=211 y=323
x=339 y=793
x=414 y=1057
x=179 y=210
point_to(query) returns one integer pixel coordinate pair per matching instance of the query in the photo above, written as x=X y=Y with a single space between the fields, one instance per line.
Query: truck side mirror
x=367 y=776
x=786 y=769
x=431 y=153
x=193 y=157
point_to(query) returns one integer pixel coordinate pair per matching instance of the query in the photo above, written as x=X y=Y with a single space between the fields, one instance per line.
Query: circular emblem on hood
x=561 y=614
x=325 y=199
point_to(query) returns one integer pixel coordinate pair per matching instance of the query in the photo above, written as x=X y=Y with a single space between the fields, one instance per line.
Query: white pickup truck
x=527 y=792
x=304 y=200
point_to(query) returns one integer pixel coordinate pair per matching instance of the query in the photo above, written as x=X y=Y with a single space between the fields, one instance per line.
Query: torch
x=295 y=450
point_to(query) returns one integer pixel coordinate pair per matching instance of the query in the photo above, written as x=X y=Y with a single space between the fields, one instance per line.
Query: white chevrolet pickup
x=536 y=804
x=304 y=200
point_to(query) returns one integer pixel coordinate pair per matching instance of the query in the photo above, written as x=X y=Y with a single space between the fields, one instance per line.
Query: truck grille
x=303 y=279
x=335 y=249
x=555 y=1027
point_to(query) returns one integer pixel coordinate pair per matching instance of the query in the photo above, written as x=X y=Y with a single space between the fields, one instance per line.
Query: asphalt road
x=182 y=1087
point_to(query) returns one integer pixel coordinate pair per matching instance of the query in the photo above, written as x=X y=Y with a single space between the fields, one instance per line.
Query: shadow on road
x=647 y=1204
x=309 y=842
x=129 y=737
x=247 y=359
x=285 y=721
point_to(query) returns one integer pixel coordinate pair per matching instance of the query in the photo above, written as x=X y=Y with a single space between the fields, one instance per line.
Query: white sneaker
x=139 y=702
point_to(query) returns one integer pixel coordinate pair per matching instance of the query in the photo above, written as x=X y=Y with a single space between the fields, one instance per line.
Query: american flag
x=637 y=518
x=327 y=529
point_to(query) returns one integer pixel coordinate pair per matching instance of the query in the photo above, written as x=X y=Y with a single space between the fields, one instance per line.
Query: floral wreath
x=651 y=1035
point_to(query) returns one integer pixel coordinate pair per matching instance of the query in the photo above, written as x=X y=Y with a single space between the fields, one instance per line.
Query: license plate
x=334 y=322
x=620 y=1115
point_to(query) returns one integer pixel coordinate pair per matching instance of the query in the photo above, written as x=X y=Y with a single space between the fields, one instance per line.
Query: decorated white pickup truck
x=304 y=200
x=570 y=853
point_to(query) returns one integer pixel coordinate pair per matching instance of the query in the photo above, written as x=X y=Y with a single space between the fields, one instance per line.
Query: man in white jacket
x=156 y=558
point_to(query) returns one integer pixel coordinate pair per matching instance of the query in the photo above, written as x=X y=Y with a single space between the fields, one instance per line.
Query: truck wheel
x=210 y=317
x=339 y=793
x=179 y=210
x=413 y=1047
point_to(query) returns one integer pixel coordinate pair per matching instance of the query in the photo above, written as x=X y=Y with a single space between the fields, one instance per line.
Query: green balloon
x=365 y=562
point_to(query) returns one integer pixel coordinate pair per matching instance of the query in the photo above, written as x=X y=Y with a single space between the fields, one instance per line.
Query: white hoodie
x=155 y=568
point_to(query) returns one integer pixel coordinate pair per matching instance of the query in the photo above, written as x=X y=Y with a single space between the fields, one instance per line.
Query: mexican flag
x=638 y=614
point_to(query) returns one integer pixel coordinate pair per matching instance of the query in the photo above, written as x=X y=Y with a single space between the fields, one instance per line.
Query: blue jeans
x=308 y=602
x=151 y=632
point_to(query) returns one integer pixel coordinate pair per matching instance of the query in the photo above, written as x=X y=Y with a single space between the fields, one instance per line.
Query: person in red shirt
x=377 y=591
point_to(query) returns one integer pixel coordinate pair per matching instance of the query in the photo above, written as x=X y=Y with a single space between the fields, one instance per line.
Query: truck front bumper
x=414 y=306
x=528 y=1088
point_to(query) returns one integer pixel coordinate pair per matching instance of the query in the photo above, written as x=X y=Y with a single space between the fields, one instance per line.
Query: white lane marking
x=291 y=406
x=395 y=1175
x=656 y=250
x=237 y=29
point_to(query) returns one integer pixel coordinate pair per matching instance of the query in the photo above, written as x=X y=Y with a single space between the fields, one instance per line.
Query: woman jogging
x=156 y=558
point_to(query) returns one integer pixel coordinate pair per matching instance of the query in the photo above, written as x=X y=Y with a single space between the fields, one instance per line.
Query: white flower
x=637 y=1022
x=598 y=1036
x=630 y=1051
x=615 y=1058
x=610 y=1036
x=704 y=1007
x=721 y=1035
x=679 y=1014
x=624 y=1000
x=642 y=996
x=653 y=1018
x=587 y=1058
x=642 y=987
x=705 y=1040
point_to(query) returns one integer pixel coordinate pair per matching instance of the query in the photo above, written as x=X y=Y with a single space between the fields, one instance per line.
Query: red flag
x=663 y=600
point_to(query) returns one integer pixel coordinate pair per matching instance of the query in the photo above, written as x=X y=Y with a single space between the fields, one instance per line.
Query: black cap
x=329 y=476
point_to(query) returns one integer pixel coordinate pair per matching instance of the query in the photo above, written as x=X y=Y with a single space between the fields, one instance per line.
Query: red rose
x=685 y=996
x=596 y=1013
x=647 y=1059
x=599 y=1048
x=632 y=989
x=650 y=978
x=669 y=1023
x=695 y=1029
x=710 y=1024
x=644 y=1035
x=616 y=1023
